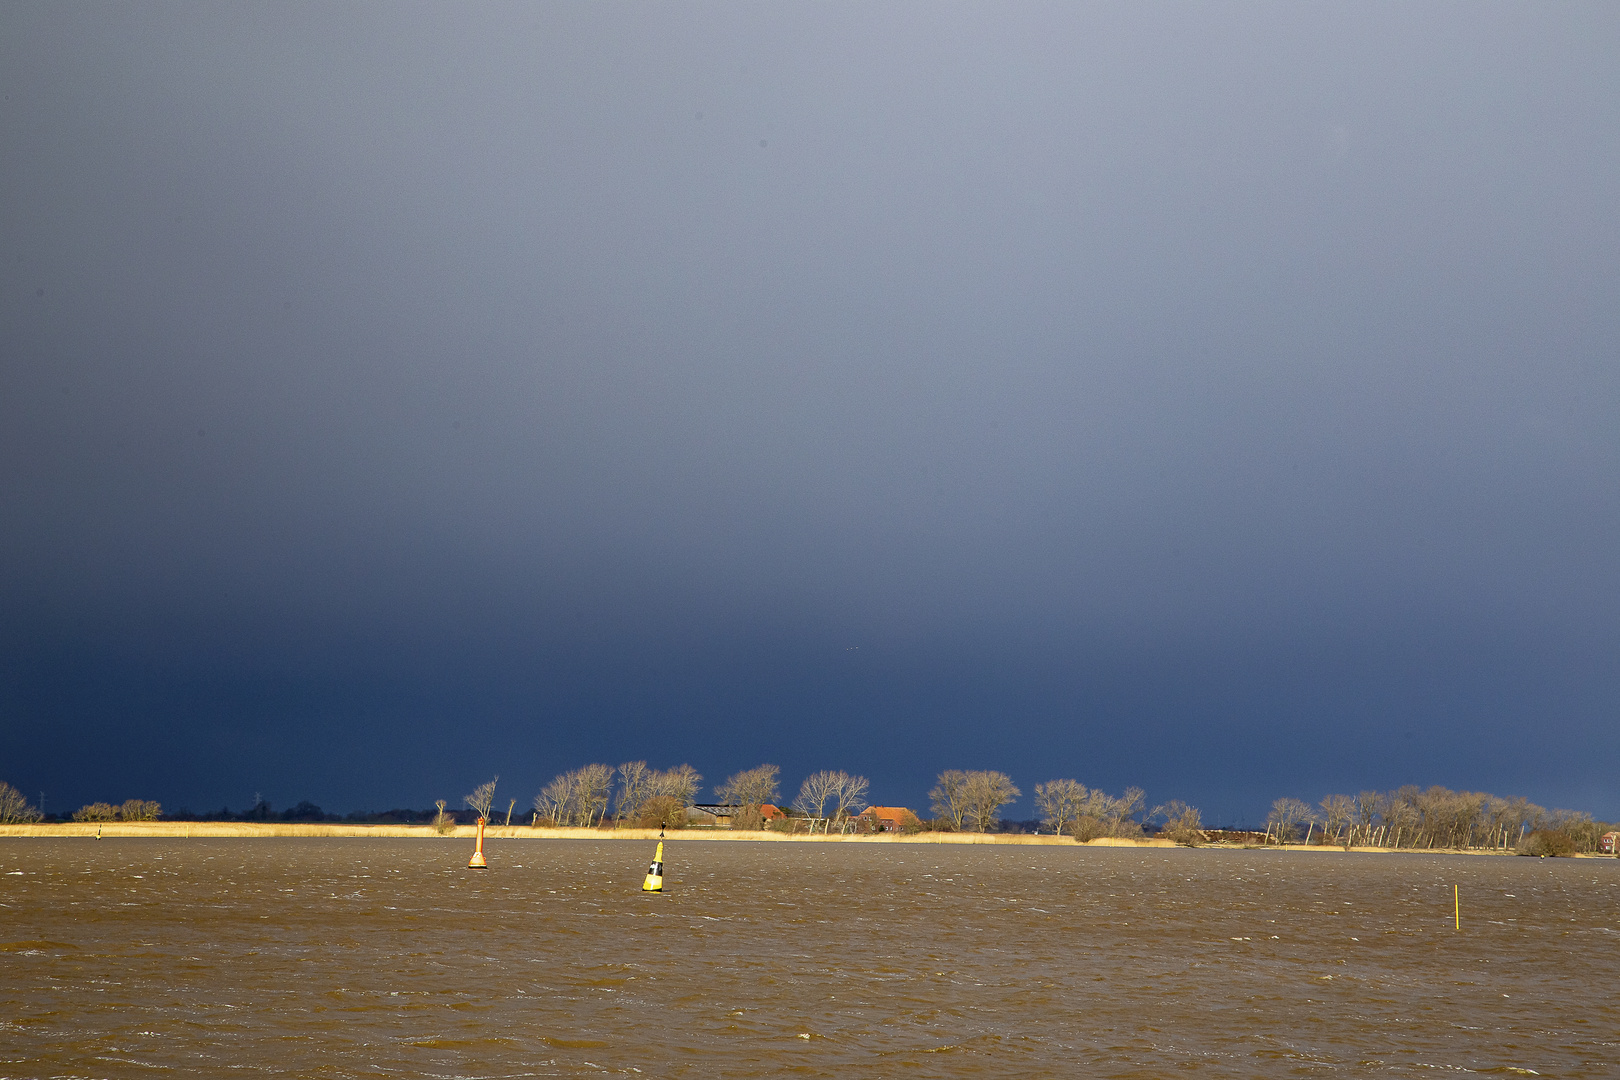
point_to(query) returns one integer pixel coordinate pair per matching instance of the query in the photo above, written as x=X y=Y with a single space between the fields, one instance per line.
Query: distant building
x=887 y=818
x=1610 y=843
x=712 y=813
x=724 y=813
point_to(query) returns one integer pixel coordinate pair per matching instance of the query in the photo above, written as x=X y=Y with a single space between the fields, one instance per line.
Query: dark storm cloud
x=940 y=383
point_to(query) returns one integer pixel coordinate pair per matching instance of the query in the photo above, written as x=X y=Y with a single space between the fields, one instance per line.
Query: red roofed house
x=1610 y=844
x=888 y=818
x=769 y=812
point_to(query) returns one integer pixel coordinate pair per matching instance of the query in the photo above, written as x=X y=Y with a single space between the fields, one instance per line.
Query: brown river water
x=386 y=958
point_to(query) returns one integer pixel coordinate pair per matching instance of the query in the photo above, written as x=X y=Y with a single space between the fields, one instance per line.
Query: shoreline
x=202 y=830
x=338 y=830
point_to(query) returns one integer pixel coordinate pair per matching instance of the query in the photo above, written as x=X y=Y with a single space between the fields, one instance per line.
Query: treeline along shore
x=634 y=801
x=202 y=830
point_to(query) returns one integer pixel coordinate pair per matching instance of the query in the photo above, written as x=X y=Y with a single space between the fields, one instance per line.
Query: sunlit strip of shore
x=246 y=829
x=311 y=830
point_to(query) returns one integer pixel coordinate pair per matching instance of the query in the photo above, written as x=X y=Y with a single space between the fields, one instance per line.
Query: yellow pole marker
x=1456 y=906
x=655 y=872
x=477 y=861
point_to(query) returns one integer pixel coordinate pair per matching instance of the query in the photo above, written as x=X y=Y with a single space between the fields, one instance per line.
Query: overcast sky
x=1218 y=398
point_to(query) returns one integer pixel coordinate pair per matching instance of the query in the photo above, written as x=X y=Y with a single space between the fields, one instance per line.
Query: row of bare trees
x=1408 y=817
x=633 y=792
x=1434 y=817
x=831 y=799
x=129 y=810
x=579 y=797
x=972 y=799
x=1073 y=809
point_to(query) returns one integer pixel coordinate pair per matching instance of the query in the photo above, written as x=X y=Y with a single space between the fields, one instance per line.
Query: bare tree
x=140 y=810
x=662 y=812
x=1060 y=803
x=845 y=793
x=655 y=798
x=949 y=796
x=1491 y=821
x=751 y=787
x=14 y=809
x=679 y=784
x=1102 y=814
x=577 y=797
x=1399 y=812
x=443 y=823
x=96 y=811
x=986 y=793
x=1579 y=826
x=558 y=800
x=635 y=788
x=814 y=794
x=1338 y=811
x=1182 y=823
x=849 y=796
x=749 y=790
x=1117 y=816
x=1286 y=815
x=592 y=786
x=481 y=798
x=1366 y=814
x=1524 y=816
x=1510 y=819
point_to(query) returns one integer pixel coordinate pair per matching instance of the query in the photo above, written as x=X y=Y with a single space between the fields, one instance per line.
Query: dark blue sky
x=1223 y=399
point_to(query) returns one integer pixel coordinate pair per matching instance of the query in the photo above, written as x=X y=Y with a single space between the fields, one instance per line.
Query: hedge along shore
x=254 y=829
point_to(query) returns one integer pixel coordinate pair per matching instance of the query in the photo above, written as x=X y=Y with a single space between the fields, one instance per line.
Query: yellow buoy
x=477 y=861
x=655 y=872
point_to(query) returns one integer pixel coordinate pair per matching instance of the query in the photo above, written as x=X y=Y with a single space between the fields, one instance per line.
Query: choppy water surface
x=360 y=958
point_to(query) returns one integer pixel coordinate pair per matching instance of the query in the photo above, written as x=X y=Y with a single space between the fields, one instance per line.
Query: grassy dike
x=253 y=829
